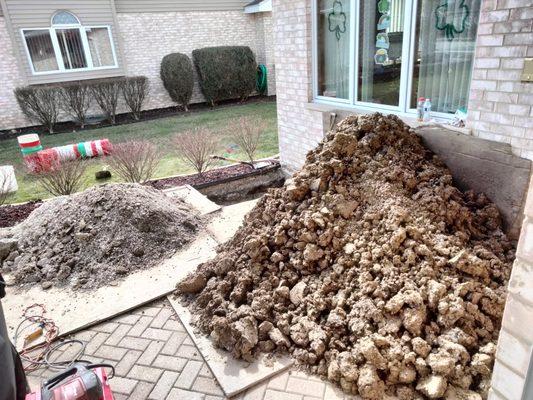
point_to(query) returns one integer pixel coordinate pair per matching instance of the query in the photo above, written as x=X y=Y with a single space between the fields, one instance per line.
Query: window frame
x=406 y=76
x=57 y=50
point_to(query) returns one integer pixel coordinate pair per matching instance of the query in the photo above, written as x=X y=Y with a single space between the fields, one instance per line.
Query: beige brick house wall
x=516 y=337
x=145 y=39
x=10 y=78
x=500 y=105
x=148 y=37
x=299 y=129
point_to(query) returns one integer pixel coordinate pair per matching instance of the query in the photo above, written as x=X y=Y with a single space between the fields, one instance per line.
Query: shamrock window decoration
x=337 y=19
x=447 y=17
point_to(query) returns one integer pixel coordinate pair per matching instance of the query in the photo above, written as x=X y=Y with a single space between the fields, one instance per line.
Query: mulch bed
x=12 y=215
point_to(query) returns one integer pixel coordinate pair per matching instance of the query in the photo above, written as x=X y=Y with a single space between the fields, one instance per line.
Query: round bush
x=177 y=77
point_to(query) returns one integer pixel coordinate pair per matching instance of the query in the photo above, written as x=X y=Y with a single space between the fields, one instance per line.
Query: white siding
x=37 y=14
x=150 y=6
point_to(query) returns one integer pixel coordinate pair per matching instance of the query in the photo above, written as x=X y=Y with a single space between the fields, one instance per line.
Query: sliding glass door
x=385 y=54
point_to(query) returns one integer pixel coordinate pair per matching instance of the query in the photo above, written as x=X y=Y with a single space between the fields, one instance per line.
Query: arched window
x=65 y=18
x=67 y=45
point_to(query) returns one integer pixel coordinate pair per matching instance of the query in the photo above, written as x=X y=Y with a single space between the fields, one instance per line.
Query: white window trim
x=57 y=50
x=406 y=75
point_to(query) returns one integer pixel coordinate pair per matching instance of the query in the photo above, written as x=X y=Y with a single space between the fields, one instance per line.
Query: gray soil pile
x=369 y=267
x=92 y=238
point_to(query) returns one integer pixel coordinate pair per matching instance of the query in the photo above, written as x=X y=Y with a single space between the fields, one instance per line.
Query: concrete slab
x=234 y=376
x=194 y=198
x=224 y=225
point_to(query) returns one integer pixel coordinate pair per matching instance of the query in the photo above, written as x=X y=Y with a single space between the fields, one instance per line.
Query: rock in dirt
x=97 y=236
x=369 y=267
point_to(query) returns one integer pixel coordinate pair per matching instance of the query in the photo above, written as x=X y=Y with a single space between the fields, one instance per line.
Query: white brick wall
x=10 y=78
x=516 y=338
x=146 y=38
x=500 y=106
x=299 y=129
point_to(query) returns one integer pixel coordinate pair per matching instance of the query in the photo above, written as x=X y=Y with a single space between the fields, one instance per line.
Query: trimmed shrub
x=134 y=91
x=63 y=178
x=247 y=132
x=106 y=93
x=76 y=100
x=40 y=104
x=226 y=72
x=178 y=78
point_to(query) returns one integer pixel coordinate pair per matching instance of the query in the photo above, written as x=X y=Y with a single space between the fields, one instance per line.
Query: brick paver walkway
x=155 y=359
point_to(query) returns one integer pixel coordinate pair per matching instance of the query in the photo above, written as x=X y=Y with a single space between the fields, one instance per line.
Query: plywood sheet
x=73 y=310
x=193 y=198
x=225 y=224
x=233 y=376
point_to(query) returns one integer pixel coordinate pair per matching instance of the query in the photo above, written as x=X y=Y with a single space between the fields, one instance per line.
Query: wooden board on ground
x=224 y=226
x=73 y=310
x=193 y=198
x=233 y=376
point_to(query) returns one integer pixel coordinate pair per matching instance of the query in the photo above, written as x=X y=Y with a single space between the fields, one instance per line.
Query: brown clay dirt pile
x=92 y=238
x=369 y=267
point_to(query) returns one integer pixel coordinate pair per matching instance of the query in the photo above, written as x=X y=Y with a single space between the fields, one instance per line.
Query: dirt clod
x=369 y=267
x=92 y=238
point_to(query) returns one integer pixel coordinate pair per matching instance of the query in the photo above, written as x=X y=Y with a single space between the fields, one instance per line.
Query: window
x=385 y=54
x=69 y=46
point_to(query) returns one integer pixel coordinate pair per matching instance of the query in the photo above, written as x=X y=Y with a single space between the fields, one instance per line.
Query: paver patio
x=155 y=359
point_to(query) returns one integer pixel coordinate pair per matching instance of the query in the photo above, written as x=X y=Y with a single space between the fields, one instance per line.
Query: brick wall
x=10 y=78
x=147 y=38
x=500 y=106
x=516 y=337
x=299 y=129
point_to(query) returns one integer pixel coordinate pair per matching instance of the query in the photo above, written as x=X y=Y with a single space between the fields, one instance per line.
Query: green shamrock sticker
x=337 y=19
x=447 y=18
x=383 y=6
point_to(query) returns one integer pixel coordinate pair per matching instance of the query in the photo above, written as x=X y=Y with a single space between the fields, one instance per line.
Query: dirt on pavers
x=369 y=266
x=92 y=238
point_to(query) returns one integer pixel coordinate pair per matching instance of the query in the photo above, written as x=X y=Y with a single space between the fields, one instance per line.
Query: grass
x=159 y=131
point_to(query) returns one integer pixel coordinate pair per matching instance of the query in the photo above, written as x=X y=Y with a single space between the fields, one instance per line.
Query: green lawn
x=159 y=131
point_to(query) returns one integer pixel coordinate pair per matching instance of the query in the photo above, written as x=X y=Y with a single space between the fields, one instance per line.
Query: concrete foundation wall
x=145 y=38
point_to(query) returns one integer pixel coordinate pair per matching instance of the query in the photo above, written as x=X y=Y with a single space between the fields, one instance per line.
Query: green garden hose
x=261 y=79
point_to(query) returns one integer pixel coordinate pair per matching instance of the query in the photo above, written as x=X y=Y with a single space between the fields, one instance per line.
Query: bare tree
x=62 y=178
x=76 y=100
x=246 y=132
x=5 y=182
x=196 y=147
x=134 y=91
x=135 y=161
x=40 y=103
x=106 y=93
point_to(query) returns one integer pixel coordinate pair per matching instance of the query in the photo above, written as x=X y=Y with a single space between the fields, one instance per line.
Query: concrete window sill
x=412 y=122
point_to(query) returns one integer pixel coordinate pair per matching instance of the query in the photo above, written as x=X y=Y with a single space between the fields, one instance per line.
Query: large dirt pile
x=370 y=267
x=94 y=237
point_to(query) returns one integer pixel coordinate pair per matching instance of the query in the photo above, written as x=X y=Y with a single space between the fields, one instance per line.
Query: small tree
x=196 y=147
x=135 y=161
x=106 y=93
x=178 y=78
x=62 y=178
x=41 y=104
x=247 y=132
x=76 y=100
x=134 y=91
